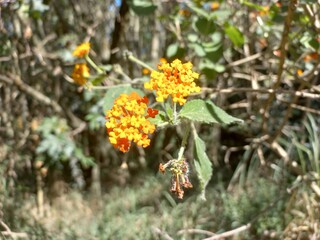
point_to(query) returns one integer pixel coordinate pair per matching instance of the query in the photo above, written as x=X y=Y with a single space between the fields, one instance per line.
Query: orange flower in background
x=145 y=71
x=265 y=11
x=80 y=73
x=175 y=80
x=82 y=50
x=163 y=60
x=127 y=121
x=214 y=6
x=311 y=56
x=300 y=72
x=184 y=12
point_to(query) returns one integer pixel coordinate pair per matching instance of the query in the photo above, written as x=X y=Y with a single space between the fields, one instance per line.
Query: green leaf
x=197 y=10
x=234 y=34
x=192 y=37
x=204 y=26
x=221 y=15
x=252 y=5
x=202 y=164
x=206 y=64
x=95 y=80
x=172 y=50
x=142 y=7
x=206 y=112
x=159 y=119
x=198 y=49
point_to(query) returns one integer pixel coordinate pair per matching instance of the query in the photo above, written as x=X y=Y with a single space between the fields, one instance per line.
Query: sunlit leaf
x=234 y=34
x=202 y=164
x=207 y=112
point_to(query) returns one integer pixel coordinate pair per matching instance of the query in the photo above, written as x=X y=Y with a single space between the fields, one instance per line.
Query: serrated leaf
x=202 y=164
x=206 y=112
x=234 y=34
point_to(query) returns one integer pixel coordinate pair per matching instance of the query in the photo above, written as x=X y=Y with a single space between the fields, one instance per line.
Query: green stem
x=92 y=63
x=138 y=61
x=184 y=142
x=109 y=87
x=175 y=115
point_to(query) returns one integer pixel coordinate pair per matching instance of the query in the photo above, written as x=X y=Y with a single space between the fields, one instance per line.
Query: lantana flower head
x=82 y=50
x=80 y=73
x=127 y=121
x=175 y=79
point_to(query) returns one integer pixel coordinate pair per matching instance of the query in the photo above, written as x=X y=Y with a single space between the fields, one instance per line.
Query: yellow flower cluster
x=82 y=50
x=175 y=80
x=80 y=73
x=127 y=121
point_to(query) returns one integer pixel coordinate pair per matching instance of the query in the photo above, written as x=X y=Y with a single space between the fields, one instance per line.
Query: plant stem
x=92 y=63
x=109 y=87
x=138 y=61
x=175 y=113
x=184 y=142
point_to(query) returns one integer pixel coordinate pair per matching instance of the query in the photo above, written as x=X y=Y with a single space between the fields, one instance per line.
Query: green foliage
x=131 y=212
x=57 y=143
x=202 y=164
x=142 y=7
x=206 y=112
x=234 y=34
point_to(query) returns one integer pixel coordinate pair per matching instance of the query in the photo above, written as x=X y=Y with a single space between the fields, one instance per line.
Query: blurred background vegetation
x=60 y=178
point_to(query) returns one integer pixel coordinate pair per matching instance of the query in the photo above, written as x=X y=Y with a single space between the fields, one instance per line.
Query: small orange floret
x=184 y=12
x=311 y=56
x=162 y=168
x=299 y=72
x=265 y=11
x=82 y=50
x=145 y=71
x=127 y=122
x=174 y=79
x=214 y=6
x=80 y=73
x=163 y=60
x=152 y=112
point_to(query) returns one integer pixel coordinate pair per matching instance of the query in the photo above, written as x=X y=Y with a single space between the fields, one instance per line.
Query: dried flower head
x=127 y=121
x=175 y=80
x=82 y=50
x=80 y=73
x=180 y=175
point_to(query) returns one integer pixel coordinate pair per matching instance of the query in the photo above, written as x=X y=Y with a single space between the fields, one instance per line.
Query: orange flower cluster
x=127 y=121
x=82 y=50
x=80 y=73
x=175 y=80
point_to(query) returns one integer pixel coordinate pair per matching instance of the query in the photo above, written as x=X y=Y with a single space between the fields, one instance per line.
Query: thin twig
x=200 y=231
x=244 y=60
x=230 y=233
x=161 y=233
x=284 y=40
x=9 y=233
x=263 y=90
x=16 y=80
